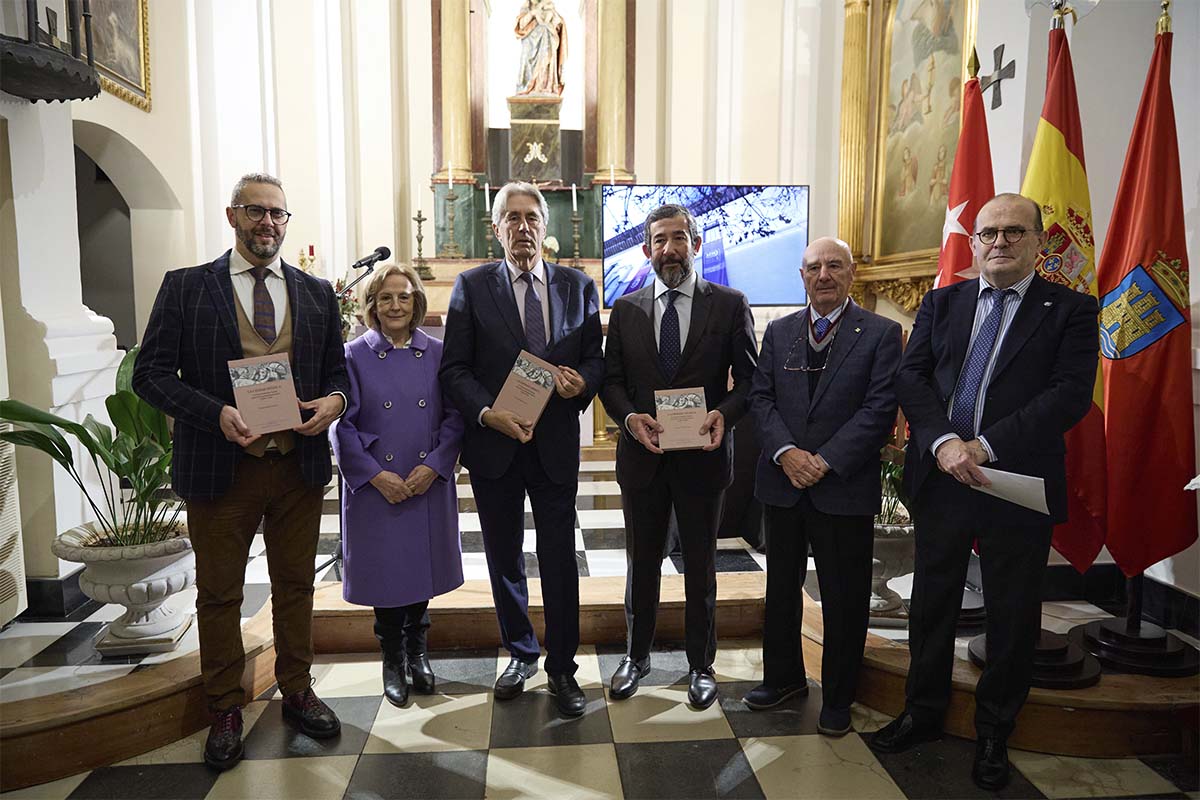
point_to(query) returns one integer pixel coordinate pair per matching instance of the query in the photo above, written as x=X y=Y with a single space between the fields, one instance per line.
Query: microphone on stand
x=369 y=262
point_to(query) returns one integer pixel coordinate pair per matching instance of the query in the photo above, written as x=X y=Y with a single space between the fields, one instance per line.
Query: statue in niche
x=543 y=36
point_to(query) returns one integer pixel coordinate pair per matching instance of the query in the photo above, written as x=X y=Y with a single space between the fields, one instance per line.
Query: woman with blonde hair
x=396 y=447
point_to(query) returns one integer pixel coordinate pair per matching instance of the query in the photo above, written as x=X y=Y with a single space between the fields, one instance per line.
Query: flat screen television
x=753 y=238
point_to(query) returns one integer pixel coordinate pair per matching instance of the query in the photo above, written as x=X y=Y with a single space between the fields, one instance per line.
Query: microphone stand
x=335 y=558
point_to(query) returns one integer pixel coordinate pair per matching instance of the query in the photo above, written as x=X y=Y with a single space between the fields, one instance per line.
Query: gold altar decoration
x=904 y=292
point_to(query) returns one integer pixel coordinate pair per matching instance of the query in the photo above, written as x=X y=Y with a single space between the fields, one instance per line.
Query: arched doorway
x=158 y=234
x=105 y=249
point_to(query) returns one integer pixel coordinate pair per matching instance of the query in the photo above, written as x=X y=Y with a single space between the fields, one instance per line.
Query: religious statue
x=543 y=36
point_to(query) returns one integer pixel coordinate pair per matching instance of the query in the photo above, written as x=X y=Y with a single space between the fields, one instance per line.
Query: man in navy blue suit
x=497 y=310
x=248 y=303
x=824 y=403
x=997 y=370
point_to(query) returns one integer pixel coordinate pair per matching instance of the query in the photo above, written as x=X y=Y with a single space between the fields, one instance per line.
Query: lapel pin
x=858 y=330
x=1047 y=304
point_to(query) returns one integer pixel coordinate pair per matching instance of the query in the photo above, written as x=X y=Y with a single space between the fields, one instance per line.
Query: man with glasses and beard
x=824 y=404
x=997 y=370
x=248 y=303
x=681 y=331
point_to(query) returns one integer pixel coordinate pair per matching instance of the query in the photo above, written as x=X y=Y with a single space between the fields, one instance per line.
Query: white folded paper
x=1193 y=484
x=1024 y=490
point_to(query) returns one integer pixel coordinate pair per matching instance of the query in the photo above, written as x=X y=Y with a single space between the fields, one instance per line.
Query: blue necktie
x=535 y=329
x=966 y=393
x=668 y=338
x=821 y=327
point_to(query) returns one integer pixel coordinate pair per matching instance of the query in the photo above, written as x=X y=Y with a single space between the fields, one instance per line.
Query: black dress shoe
x=395 y=681
x=625 y=680
x=421 y=673
x=991 y=764
x=567 y=694
x=512 y=681
x=703 y=688
x=834 y=721
x=763 y=696
x=307 y=712
x=902 y=733
x=223 y=748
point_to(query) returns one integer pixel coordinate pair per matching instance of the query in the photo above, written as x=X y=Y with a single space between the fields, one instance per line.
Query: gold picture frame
x=121 y=45
x=920 y=49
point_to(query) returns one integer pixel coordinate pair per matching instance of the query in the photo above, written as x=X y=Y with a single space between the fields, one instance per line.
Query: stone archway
x=156 y=218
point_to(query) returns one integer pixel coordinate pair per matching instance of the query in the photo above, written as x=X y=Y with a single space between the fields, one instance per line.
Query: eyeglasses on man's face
x=279 y=216
x=1011 y=235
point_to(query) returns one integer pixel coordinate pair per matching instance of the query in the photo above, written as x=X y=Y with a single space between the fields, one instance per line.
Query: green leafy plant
x=891 y=472
x=135 y=506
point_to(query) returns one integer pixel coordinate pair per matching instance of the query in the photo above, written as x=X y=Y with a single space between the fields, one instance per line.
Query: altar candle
x=310 y=249
x=574 y=201
x=612 y=175
x=487 y=196
x=450 y=177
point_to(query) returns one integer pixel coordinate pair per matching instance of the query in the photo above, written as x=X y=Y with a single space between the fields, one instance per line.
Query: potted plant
x=136 y=553
x=894 y=545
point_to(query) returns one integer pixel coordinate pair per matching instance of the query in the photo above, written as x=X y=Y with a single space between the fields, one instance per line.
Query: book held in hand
x=527 y=388
x=264 y=393
x=681 y=413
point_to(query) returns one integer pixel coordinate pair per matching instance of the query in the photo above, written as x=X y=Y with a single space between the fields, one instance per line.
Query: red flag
x=971 y=186
x=1145 y=340
x=1056 y=179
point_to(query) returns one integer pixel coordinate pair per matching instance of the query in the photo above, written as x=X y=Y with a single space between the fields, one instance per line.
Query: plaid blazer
x=182 y=369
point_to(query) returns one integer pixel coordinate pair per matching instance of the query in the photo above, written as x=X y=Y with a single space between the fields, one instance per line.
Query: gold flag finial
x=1164 y=19
x=973 y=64
x=1061 y=9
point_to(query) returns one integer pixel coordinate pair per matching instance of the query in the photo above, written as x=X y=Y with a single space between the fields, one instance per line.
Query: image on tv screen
x=753 y=238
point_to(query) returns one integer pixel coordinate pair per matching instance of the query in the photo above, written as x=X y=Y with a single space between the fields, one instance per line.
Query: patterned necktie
x=668 y=338
x=535 y=328
x=966 y=393
x=821 y=327
x=264 y=307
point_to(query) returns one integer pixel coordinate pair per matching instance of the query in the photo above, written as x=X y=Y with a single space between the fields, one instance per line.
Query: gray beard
x=260 y=250
x=675 y=277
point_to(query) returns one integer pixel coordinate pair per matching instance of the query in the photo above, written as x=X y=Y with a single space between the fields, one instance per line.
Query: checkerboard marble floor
x=461 y=743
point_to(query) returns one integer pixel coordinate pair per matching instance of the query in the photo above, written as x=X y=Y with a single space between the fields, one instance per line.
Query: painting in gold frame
x=121 y=44
x=924 y=46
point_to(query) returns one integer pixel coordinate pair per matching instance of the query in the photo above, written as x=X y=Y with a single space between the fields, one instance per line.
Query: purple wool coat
x=405 y=553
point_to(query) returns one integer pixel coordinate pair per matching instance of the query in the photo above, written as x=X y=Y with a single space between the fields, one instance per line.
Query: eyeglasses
x=1011 y=235
x=255 y=213
x=790 y=364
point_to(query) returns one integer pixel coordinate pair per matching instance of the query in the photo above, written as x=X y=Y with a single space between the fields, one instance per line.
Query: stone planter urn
x=891 y=558
x=141 y=578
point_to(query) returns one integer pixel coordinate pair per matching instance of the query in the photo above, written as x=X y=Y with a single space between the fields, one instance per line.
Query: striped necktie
x=264 y=307
x=970 y=380
x=535 y=326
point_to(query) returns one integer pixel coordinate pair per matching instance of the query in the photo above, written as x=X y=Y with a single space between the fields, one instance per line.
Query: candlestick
x=451 y=248
x=574 y=201
x=488 y=238
x=487 y=196
x=307 y=260
x=423 y=270
x=575 y=220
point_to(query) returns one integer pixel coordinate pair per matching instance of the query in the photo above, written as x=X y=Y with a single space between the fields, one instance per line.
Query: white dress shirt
x=520 y=287
x=243 y=286
x=981 y=312
x=683 y=306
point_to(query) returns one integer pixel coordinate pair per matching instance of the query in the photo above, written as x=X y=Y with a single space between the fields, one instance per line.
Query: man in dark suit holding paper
x=997 y=370
x=248 y=303
x=679 y=332
x=497 y=310
x=824 y=403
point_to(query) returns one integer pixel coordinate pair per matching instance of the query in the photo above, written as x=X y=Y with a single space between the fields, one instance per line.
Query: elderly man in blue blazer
x=824 y=404
x=497 y=310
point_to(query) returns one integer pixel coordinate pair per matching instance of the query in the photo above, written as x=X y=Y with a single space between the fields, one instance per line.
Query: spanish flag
x=1056 y=178
x=1145 y=340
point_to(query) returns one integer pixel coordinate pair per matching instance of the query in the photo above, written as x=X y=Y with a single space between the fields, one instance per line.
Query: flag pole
x=1164 y=19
